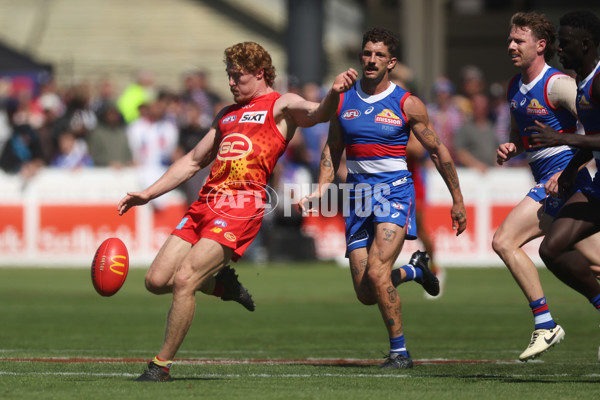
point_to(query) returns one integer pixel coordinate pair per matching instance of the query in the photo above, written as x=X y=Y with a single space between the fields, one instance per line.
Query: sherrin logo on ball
x=110 y=266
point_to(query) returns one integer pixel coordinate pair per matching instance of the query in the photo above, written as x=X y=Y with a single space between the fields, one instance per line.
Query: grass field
x=308 y=339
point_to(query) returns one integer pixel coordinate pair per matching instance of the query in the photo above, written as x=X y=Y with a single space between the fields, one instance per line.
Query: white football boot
x=542 y=340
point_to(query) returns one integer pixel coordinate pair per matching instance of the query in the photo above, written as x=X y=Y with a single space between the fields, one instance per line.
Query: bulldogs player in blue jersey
x=579 y=37
x=539 y=94
x=373 y=124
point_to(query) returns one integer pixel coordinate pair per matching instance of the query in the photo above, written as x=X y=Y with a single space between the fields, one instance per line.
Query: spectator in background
x=108 y=142
x=72 y=152
x=192 y=129
x=472 y=82
x=500 y=111
x=153 y=139
x=52 y=108
x=22 y=153
x=78 y=117
x=443 y=113
x=475 y=143
x=193 y=92
x=137 y=93
x=104 y=99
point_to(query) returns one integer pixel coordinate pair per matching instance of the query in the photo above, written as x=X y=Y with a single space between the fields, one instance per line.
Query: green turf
x=303 y=311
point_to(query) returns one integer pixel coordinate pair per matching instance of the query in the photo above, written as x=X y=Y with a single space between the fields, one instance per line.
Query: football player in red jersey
x=245 y=141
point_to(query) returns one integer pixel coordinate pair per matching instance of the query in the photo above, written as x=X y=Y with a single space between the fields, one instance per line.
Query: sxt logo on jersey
x=234 y=146
x=258 y=117
x=351 y=114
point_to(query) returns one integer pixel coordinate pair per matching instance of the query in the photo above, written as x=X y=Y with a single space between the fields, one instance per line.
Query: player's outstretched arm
x=422 y=128
x=307 y=113
x=180 y=171
x=330 y=162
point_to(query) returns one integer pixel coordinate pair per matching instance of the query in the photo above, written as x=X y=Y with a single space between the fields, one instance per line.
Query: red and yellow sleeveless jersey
x=250 y=146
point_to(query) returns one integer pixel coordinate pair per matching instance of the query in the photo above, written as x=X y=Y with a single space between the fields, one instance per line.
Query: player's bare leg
x=200 y=263
x=577 y=219
x=225 y=285
x=362 y=284
x=203 y=261
x=160 y=275
x=386 y=246
x=523 y=224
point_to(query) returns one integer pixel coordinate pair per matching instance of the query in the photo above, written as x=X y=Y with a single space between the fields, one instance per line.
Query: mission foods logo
x=584 y=103
x=234 y=146
x=535 y=108
x=388 y=117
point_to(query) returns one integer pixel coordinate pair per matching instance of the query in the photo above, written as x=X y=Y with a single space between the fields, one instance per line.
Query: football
x=110 y=266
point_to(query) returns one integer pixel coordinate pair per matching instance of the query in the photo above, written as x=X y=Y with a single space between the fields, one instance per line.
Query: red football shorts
x=233 y=227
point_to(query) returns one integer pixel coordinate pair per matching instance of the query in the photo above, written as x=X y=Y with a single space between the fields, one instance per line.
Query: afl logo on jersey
x=351 y=114
x=234 y=146
x=229 y=119
x=513 y=105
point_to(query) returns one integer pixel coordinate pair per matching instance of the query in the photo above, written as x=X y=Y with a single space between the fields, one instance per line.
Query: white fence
x=60 y=217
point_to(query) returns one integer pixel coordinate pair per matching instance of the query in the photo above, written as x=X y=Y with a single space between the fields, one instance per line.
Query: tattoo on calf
x=392 y=294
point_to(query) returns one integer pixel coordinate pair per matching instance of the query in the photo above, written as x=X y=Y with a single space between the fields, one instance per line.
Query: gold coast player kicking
x=245 y=142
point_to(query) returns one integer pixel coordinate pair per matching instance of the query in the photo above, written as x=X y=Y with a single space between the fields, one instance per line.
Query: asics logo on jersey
x=351 y=114
x=258 y=117
x=369 y=110
x=234 y=146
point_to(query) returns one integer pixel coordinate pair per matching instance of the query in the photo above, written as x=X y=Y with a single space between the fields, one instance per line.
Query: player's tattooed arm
x=451 y=173
x=327 y=166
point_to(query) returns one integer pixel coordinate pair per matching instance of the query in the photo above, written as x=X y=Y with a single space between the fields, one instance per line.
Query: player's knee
x=547 y=253
x=379 y=276
x=154 y=284
x=184 y=281
x=498 y=244
x=366 y=297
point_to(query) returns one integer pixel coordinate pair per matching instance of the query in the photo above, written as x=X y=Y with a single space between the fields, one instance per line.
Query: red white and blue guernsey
x=375 y=133
x=529 y=103
x=588 y=111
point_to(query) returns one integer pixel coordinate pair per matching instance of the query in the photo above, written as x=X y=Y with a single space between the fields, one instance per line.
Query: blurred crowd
x=89 y=125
